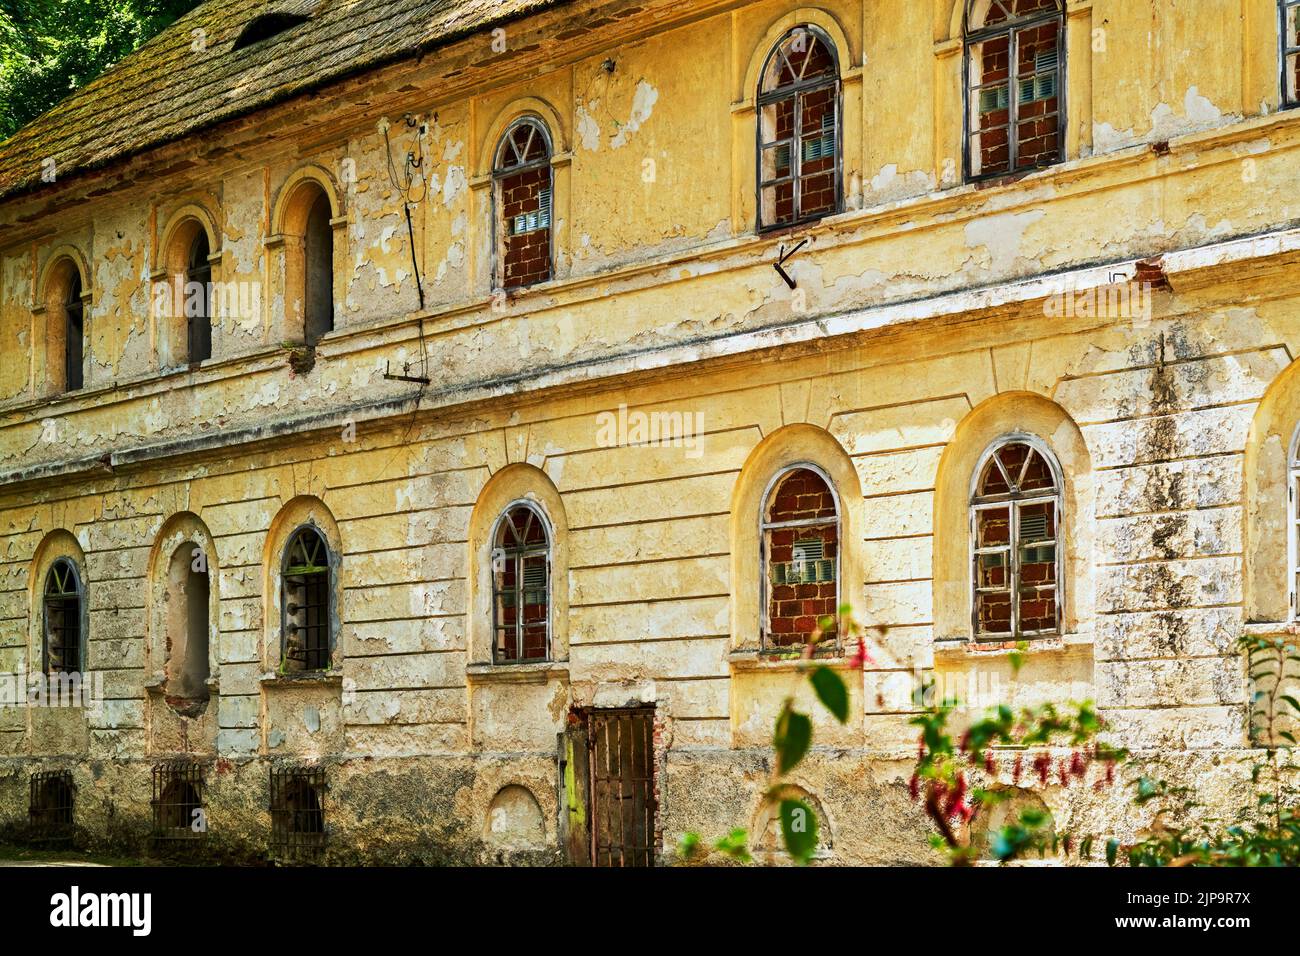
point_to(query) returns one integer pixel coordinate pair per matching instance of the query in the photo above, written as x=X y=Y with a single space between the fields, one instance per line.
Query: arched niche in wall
x=1271 y=539
x=62 y=326
x=183 y=606
x=186 y=291
x=309 y=249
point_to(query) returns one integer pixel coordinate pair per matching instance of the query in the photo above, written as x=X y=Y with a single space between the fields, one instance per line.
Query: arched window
x=523 y=185
x=800 y=533
x=799 y=131
x=198 y=299
x=1290 y=25
x=521 y=586
x=1015 y=71
x=64 y=631
x=318 y=254
x=306 y=603
x=74 y=336
x=188 y=623
x=1016 y=511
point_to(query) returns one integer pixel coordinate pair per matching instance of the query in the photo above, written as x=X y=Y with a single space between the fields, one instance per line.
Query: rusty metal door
x=621 y=758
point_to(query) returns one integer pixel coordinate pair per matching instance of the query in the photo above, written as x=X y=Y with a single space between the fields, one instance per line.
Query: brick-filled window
x=1015 y=525
x=799 y=131
x=64 y=632
x=306 y=603
x=524 y=197
x=801 y=560
x=1015 y=68
x=1290 y=26
x=521 y=586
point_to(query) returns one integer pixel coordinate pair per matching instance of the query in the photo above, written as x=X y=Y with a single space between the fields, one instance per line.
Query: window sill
x=751 y=660
x=963 y=648
x=538 y=672
x=313 y=679
x=1271 y=629
x=158 y=685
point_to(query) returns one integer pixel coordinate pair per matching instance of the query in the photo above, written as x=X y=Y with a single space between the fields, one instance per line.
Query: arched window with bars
x=800 y=540
x=64 y=636
x=522 y=174
x=307 y=603
x=799 y=137
x=521 y=586
x=1016 y=514
x=1015 y=92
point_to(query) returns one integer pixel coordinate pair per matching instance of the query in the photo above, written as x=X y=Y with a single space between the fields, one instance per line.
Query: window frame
x=500 y=235
x=520 y=556
x=797 y=91
x=1293 y=525
x=196 y=272
x=329 y=605
x=972 y=38
x=1014 y=502
x=764 y=560
x=81 y=617
x=1287 y=50
x=74 y=307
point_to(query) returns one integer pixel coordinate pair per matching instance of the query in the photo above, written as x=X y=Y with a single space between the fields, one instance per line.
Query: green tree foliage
x=48 y=48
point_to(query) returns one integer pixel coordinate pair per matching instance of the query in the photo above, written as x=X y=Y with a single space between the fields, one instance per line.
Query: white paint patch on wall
x=1001 y=236
x=643 y=104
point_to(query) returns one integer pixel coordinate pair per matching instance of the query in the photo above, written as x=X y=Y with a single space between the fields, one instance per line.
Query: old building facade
x=481 y=492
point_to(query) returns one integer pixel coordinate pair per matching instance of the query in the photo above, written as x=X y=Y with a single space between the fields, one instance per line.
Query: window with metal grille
x=1289 y=14
x=307 y=600
x=522 y=175
x=297 y=811
x=800 y=540
x=178 y=810
x=521 y=587
x=799 y=131
x=64 y=631
x=1014 y=44
x=1015 y=530
x=51 y=805
x=198 y=300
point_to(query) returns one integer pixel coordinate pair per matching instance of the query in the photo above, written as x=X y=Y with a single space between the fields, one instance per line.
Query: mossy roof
x=167 y=89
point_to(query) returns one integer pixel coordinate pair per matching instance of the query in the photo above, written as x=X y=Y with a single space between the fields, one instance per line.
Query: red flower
x=1078 y=766
x=1063 y=771
x=990 y=763
x=1043 y=767
x=861 y=658
x=1018 y=767
x=914 y=787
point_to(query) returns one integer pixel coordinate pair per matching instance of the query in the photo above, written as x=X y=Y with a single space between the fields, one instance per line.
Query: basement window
x=1013 y=45
x=51 y=806
x=1015 y=525
x=799 y=131
x=524 y=197
x=800 y=542
x=521 y=586
x=178 y=811
x=297 y=812
x=268 y=25
x=1290 y=25
x=306 y=603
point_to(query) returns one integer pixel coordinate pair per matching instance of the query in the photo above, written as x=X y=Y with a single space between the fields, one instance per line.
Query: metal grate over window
x=63 y=635
x=306 y=602
x=51 y=806
x=521 y=572
x=298 y=812
x=1015 y=530
x=177 y=803
x=799 y=131
x=800 y=531
x=1014 y=45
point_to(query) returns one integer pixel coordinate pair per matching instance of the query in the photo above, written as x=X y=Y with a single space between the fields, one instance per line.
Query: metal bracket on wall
x=781 y=257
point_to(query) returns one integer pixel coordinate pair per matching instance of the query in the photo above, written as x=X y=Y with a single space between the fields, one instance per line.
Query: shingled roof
x=167 y=89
